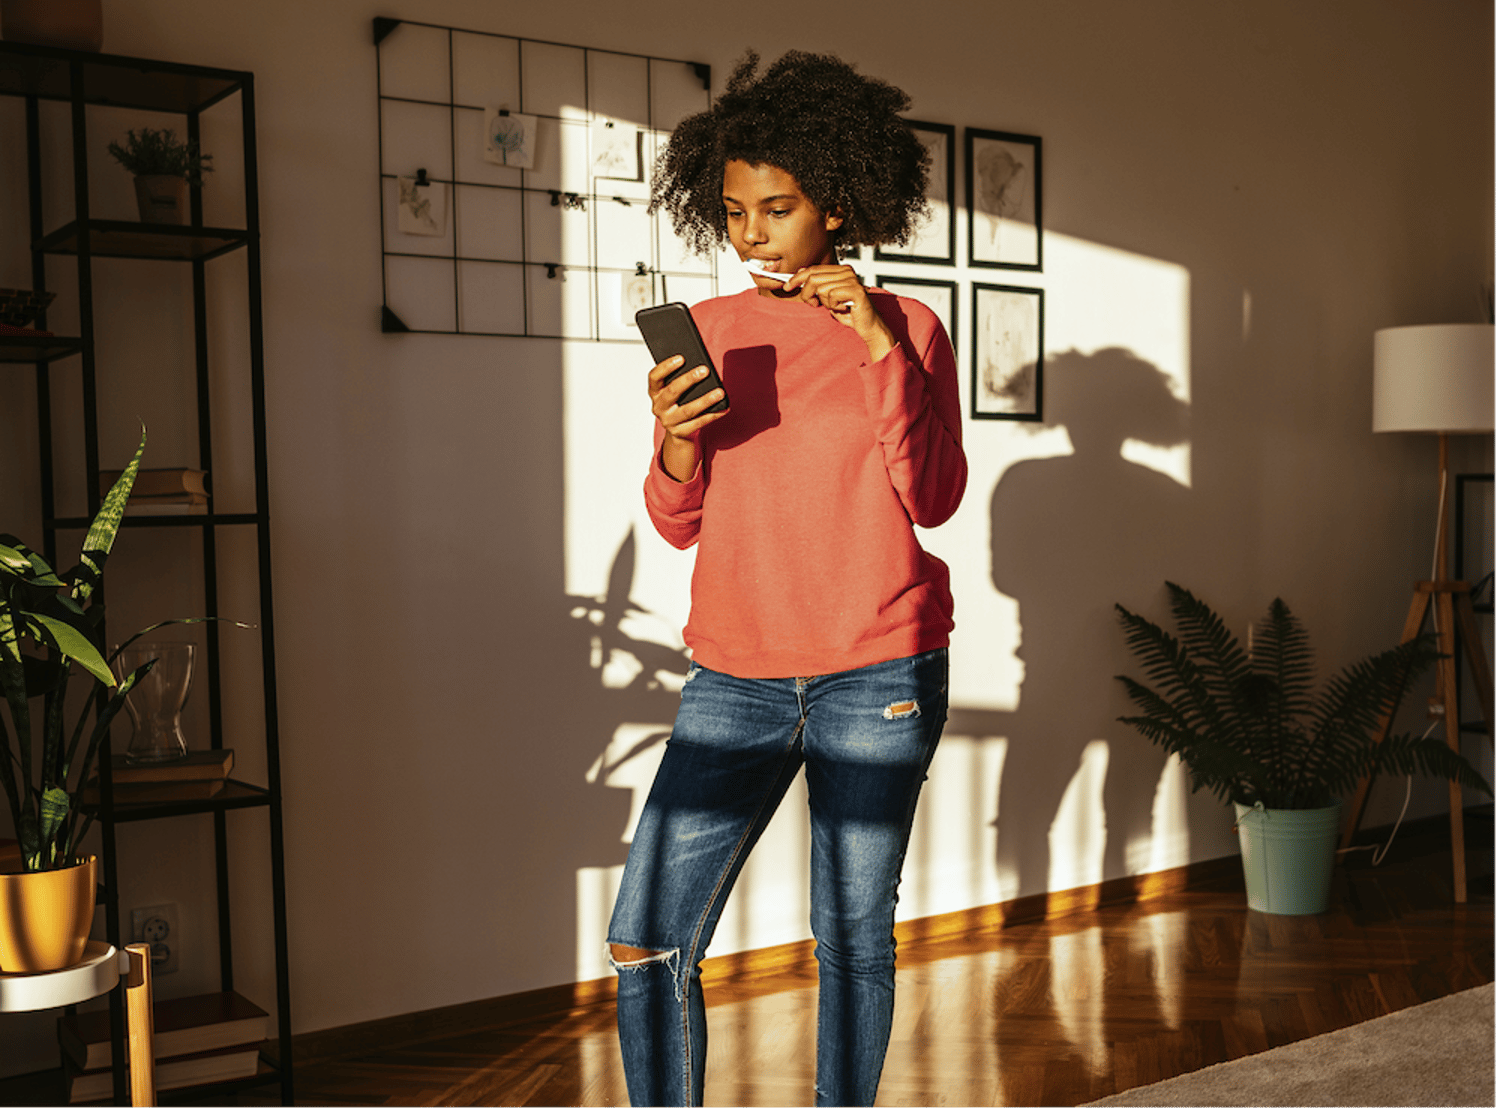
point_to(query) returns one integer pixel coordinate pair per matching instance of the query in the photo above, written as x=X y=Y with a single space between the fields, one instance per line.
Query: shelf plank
x=207 y=519
x=19 y=349
x=44 y=72
x=122 y=239
x=236 y=794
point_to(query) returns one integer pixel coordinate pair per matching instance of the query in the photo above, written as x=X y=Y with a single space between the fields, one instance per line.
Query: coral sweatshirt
x=804 y=502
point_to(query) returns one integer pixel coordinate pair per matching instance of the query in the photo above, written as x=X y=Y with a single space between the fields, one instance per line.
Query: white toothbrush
x=758 y=267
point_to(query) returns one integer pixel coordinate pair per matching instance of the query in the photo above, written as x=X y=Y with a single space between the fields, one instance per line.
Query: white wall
x=1237 y=197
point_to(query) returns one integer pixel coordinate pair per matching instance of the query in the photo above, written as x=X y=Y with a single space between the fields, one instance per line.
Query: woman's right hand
x=680 y=422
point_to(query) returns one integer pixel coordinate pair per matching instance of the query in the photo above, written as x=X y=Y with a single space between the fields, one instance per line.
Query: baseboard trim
x=558 y=1000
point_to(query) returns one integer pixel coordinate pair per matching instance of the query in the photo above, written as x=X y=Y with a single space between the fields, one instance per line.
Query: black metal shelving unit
x=81 y=80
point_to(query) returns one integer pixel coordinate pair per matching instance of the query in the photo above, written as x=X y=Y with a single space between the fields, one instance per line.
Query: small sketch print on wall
x=932 y=238
x=1004 y=187
x=1007 y=381
x=616 y=150
x=1004 y=191
x=509 y=138
x=423 y=208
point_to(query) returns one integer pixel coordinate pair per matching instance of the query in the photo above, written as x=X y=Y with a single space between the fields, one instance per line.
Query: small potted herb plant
x=164 y=167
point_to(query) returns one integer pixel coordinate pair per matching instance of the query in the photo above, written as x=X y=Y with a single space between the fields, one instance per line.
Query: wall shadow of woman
x=1070 y=537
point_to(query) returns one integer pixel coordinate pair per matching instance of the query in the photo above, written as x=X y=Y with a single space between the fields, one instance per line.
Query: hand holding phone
x=669 y=330
x=682 y=405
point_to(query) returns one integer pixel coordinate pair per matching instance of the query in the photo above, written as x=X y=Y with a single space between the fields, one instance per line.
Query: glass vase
x=155 y=704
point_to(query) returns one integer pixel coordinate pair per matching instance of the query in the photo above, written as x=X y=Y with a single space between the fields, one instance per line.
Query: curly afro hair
x=837 y=132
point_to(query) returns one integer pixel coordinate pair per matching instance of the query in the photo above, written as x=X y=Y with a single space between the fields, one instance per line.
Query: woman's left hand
x=837 y=288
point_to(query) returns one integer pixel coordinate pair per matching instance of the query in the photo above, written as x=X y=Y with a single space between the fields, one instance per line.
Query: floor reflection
x=1059 y=1011
x=1078 y=994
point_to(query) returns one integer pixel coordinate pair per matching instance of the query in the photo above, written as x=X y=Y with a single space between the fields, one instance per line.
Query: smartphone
x=669 y=329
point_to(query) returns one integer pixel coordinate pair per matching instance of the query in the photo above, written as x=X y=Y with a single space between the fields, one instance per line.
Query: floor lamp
x=1439 y=379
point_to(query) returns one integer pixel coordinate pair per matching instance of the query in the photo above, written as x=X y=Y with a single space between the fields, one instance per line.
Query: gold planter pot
x=45 y=917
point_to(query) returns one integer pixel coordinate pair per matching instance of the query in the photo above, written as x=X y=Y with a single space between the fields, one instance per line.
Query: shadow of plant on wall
x=625 y=691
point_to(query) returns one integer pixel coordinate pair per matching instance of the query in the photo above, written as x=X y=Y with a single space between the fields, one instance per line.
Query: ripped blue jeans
x=866 y=737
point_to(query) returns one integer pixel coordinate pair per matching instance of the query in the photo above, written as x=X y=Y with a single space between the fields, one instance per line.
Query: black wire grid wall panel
x=547 y=251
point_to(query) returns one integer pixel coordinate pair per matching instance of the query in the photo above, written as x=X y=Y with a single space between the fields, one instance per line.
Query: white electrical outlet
x=158 y=927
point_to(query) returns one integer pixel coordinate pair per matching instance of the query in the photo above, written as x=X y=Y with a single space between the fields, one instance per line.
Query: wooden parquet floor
x=1048 y=1013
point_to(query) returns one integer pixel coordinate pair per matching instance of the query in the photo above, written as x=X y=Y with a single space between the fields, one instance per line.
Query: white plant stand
x=103 y=968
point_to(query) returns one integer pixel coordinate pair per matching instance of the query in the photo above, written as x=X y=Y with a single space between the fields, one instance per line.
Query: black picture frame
x=1008 y=352
x=1473 y=536
x=1004 y=175
x=934 y=243
x=922 y=289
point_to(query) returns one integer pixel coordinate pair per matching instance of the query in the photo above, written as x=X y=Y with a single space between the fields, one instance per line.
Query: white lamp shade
x=1435 y=378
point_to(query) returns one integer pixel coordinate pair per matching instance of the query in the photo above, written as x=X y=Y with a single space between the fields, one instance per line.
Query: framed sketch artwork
x=1007 y=363
x=1005 y=199
x=940 y=296
x=933 y=240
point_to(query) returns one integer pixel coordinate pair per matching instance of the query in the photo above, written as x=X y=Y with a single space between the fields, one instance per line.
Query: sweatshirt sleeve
x=676 y=509
x=915 y=408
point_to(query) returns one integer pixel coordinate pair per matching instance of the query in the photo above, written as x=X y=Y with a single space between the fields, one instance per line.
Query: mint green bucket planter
x=1288 y=856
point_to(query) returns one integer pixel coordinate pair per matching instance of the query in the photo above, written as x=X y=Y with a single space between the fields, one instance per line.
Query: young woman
x=819 y=627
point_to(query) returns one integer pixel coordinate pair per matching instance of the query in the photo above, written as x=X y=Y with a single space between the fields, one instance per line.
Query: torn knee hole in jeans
x=670 y=960
x=902 y=709
x=646 y=958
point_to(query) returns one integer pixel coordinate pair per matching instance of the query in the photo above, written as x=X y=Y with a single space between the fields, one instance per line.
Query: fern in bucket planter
x=1249 y=725
x=1252 y=729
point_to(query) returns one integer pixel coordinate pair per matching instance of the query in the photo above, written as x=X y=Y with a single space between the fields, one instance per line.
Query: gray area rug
x=1441 y=1052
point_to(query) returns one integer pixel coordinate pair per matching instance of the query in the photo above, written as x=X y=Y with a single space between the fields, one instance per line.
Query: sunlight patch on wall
x=596 y=887
x=1166 y=847
x=1078 y=834
x=951 y=859
x=630 y=762
x=1098 y=298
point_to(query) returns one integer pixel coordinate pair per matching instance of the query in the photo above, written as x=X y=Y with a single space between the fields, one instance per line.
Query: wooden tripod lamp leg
x=1448 y=691
x=1416 y=615
x=138 y=1021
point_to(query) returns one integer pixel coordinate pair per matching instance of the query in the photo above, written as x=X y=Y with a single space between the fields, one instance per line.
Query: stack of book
x=159 y=492
x=196 y=1040
x=196 y=776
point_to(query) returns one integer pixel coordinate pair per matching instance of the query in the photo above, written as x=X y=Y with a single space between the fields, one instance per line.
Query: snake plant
x=50 y=622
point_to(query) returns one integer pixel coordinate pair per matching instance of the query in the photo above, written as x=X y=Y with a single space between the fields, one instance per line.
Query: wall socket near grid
x=158 y=926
